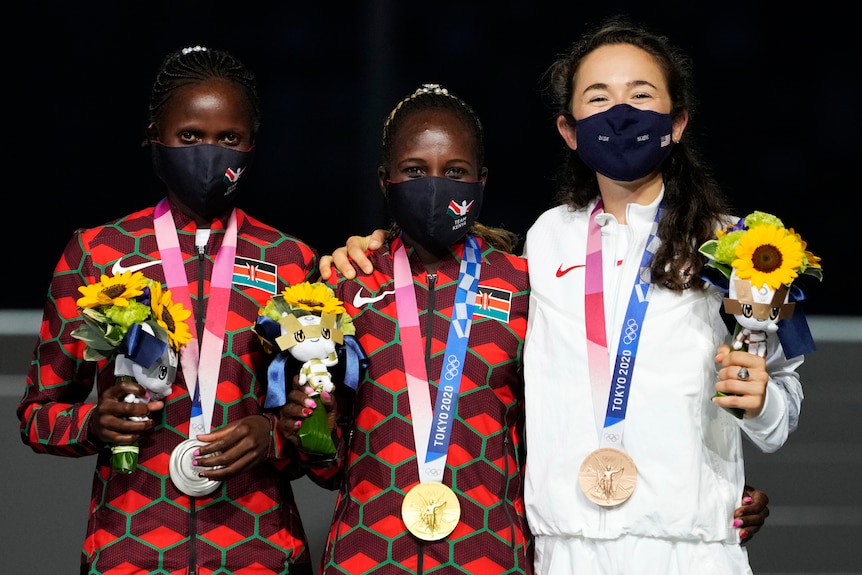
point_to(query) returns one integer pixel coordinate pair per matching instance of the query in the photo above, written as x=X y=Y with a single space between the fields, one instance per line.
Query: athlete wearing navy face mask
x=437 y=434
x=223 y=265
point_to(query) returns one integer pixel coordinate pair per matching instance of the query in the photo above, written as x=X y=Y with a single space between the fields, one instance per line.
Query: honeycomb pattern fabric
x=486 y=453
x=140 y=523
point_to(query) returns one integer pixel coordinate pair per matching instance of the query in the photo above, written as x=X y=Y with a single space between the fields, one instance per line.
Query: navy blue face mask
x=204 y=177
x=436 y=212
x=624 y=143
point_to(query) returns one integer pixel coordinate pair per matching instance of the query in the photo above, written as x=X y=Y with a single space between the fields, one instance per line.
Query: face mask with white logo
x=204 y=177
x=624 y=143
x=436 y=212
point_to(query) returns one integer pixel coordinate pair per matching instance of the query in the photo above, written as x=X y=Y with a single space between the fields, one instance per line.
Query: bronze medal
x=430 y=511
x=608 y=477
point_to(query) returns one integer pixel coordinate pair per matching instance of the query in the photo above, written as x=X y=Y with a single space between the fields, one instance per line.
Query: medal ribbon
x=432 y=447
x=201 y=362
x=615 y=387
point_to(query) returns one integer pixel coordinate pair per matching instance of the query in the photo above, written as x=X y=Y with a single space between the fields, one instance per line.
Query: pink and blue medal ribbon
x=614 y=388
x=201 y=362
x=432 y=431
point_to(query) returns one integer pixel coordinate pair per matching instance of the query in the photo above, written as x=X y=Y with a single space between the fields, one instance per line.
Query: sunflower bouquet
x=308 y=323
x=132 y=320
x=761 y=260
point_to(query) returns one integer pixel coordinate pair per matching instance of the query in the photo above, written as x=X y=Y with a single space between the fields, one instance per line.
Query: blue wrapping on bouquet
x=142 y=346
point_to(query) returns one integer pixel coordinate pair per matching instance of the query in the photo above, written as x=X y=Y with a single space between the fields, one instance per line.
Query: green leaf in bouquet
x=124 y=458
x=314 y=434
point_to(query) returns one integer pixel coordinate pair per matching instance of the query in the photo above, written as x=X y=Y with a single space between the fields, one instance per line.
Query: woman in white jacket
x=625 y=345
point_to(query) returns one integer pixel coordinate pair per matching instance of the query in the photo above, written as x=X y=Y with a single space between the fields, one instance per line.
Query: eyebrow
x=632 y=84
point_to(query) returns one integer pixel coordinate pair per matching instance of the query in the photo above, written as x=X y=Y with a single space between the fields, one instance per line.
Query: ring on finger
x=742 y=374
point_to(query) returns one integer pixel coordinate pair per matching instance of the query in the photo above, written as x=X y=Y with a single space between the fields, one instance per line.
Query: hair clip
x=191 y=49
x=431 y=88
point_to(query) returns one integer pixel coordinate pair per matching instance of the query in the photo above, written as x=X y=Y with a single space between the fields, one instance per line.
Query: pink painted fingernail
x=194 y=462
x=746 y=499
x=297 y=424
x=311 y=403
x=306 y=411
x=197 y=453
x=737 y=523
x=326 y=395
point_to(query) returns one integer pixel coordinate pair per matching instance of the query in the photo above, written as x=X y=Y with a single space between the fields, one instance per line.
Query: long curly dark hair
x=693 y=200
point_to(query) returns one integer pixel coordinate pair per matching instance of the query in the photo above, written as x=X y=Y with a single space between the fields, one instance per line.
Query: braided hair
x=197 y=64
x=435 y=96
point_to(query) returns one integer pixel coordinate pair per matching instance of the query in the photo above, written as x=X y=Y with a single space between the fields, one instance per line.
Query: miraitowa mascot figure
x=308 y=323
x=761 y=263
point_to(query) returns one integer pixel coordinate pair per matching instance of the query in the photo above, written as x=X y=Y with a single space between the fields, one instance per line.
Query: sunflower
x=810 y=260
x=171 y=316
x=316 y=297
x=768 y=255
x=116 y=290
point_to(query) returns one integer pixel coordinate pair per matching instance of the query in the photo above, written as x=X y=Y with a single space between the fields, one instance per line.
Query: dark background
x=778 y=117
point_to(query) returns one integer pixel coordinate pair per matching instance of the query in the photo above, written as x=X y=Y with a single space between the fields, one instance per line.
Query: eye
x=231 y=140
x=324 y=333
x=747 y=310
x=187 y=137
x=773 y=313
x=299 y=336
x=456 y=173
x=414 y=172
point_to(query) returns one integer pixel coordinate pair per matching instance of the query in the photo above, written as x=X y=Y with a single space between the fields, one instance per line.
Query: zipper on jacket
x=429 y=323
x=199 y=314
x=199 y=321
x=429 y=339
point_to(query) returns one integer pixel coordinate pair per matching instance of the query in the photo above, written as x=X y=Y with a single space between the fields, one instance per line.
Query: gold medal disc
x=608 y=477
x=430 y=511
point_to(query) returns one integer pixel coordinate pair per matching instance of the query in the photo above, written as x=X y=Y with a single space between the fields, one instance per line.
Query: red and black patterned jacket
x=486 y=454
x=140 y=523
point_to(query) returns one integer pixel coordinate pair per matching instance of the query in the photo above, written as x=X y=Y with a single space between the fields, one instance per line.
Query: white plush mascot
x=757 y=311
x=311 y=339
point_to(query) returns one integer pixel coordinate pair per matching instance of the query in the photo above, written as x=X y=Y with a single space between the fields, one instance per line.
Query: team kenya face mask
x=436 y=212
x=204 y=177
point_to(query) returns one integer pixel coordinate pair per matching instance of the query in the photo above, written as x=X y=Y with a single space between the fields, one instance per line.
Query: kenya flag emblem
x=494 y=303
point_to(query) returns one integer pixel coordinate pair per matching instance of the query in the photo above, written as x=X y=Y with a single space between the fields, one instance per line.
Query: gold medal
x=608 y=477
x=430 y=511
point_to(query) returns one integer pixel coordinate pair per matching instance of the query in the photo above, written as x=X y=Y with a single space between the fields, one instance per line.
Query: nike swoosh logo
x=360 y=300
x=118 y=268
x=561 y=272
